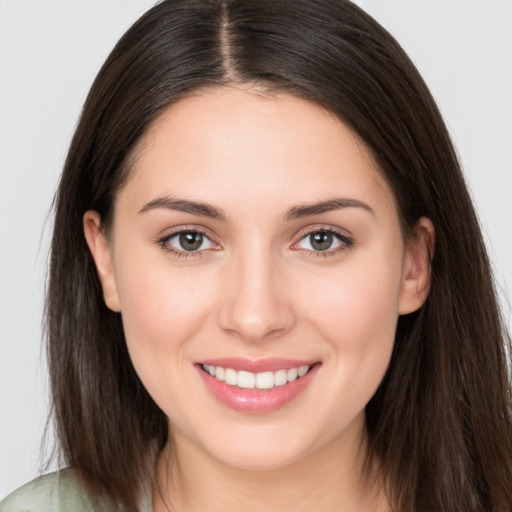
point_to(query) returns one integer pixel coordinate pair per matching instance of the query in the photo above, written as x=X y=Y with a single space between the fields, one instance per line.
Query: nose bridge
x=256 y=305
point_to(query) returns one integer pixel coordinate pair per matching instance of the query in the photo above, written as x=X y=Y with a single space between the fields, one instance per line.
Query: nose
x=257 y=303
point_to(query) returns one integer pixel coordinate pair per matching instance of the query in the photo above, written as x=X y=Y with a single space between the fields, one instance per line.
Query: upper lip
x=271 y=364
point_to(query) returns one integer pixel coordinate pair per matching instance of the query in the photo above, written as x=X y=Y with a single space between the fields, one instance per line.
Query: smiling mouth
x=259 y=381
x=257 y=387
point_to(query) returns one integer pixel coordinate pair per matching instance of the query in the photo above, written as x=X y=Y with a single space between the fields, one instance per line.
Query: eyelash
x=345 y=243
x=164 y=243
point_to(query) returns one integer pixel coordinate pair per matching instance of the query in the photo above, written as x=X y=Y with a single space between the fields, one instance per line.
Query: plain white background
x=50 y=52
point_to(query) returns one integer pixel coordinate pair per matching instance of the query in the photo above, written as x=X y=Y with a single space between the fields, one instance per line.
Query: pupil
x=191 y=241
x=321 y=241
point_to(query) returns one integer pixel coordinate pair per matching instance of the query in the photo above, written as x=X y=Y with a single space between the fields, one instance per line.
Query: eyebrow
x=182 y=205
x=297 y=212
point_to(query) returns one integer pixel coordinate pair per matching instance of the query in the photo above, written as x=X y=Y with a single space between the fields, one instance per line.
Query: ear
x=101 y=253
x=416 y=272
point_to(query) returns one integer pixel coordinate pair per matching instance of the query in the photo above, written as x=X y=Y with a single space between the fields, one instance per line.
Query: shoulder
x=56 y=492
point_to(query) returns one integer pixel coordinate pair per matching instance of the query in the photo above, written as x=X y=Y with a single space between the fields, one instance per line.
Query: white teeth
x=265 y=380
x=230 y=377
x=292 y=374
x=246 y=380
x=280 y=378
x=303 y=370
x=249 y=380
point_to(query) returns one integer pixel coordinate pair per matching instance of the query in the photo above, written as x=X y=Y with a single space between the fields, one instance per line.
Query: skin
x=258 y=289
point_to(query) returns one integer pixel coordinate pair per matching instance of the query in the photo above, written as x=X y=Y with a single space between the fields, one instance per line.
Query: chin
x=259 y=457
x=263 y=447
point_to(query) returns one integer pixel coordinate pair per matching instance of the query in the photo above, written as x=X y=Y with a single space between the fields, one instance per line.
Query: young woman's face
x=256 y=240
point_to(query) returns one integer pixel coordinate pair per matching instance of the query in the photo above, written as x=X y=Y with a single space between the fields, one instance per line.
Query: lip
x=254 y=400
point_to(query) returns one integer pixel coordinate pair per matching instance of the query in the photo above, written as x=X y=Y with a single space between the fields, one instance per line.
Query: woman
x=268 y=286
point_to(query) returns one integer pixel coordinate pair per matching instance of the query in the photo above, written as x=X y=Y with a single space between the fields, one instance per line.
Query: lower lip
x=256 y=400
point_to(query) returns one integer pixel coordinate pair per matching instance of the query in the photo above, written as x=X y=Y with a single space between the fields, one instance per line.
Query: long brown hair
x=440 y=424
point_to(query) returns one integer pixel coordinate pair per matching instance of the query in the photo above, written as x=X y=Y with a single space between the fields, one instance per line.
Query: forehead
x=224 y=144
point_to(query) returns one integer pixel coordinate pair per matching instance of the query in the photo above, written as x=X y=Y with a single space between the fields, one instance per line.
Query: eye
x=188 y=241
x=323 y=240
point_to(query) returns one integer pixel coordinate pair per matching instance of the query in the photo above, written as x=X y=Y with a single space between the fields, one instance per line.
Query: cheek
x=157 y=294
x=162 y=307
x=356 y=312
x=361 y=298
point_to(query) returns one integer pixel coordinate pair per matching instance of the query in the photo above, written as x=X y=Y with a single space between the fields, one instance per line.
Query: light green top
x=59 y=492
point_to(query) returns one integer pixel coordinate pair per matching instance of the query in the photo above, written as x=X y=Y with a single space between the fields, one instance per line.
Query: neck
x=332 y=479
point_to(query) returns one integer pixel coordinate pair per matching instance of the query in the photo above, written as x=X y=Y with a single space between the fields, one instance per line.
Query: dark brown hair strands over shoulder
x=440 y=425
